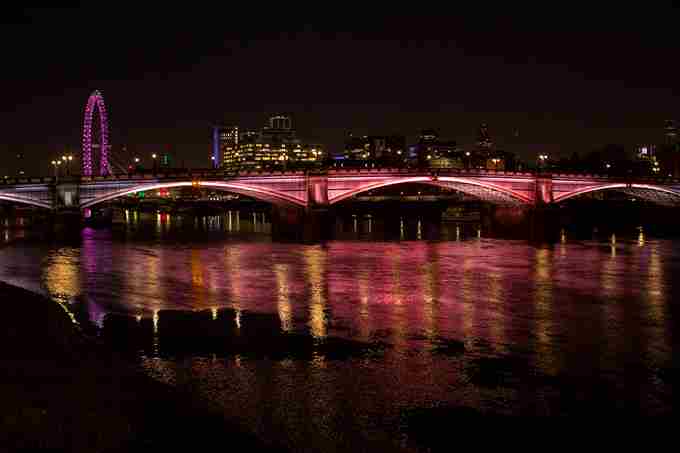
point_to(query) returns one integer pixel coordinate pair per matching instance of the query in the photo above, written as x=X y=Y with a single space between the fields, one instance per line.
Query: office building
x=431 y=151
x=275 y=147
x=375 y=150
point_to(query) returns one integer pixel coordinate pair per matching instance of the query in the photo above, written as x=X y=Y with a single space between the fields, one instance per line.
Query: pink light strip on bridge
x=239 y=188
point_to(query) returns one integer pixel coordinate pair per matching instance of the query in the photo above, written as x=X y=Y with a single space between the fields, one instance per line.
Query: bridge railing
x=167 y=174
x=26 y=181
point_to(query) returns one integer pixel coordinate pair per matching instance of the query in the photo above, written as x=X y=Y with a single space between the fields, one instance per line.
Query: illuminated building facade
x=276 y=146
x=645 y=152
x=430 y=151
x=224 y=138
x=382 y=150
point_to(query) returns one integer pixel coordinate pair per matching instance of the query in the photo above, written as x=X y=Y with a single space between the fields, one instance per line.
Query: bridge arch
x=258 y=193
x=485 y=190
x=25 y=200
x=650 y=192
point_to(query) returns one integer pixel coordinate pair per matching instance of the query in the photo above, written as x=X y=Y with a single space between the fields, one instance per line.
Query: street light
x=67 y=161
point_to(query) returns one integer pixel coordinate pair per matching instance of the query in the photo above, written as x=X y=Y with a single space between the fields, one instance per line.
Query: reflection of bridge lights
x=283 y=303
x=213 y=311
x=315 y=269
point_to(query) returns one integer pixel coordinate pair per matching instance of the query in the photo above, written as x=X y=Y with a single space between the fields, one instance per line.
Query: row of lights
x=64 y=159
x=153 y=156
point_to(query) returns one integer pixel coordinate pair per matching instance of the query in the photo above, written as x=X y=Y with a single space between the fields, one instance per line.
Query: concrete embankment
x=64 y=391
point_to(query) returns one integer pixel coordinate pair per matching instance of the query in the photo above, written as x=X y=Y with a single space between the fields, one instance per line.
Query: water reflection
x=543 y=304
x=254 y=324
x=315 y=269
x=233 y=270
x=62 y=273
x=283 y=290
x=364 y=321
x=655 y=285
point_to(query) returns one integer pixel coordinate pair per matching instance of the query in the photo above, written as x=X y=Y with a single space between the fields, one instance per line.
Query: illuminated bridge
x=309 y=190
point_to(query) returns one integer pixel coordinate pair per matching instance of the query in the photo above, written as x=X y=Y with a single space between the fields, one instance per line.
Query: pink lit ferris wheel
x=95 y=100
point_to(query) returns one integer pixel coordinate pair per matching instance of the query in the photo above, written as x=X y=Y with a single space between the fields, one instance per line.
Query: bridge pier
x=544 y=224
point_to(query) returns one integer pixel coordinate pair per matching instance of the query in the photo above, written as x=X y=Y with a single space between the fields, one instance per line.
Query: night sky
x=566 y=81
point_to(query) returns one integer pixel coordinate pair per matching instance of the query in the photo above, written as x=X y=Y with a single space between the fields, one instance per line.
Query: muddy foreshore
x=62 y=390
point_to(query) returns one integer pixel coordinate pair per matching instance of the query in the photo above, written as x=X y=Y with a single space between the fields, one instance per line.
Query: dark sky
x=567 y=80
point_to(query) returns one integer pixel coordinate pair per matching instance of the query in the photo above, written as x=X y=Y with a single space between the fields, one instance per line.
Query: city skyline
x=334 y=228
x=569 y=91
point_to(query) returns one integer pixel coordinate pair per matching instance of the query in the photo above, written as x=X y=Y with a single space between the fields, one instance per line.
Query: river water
x=363 y=344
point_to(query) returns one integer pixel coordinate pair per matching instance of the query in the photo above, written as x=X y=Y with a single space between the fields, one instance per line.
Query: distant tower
x=671 y=132
x=280 y=122
x=484 y=142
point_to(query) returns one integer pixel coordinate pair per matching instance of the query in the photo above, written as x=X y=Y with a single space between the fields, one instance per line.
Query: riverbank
x=64 y=391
